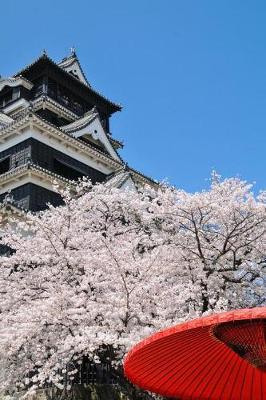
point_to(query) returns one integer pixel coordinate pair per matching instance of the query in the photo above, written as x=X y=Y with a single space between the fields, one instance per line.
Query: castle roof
x=63 y=69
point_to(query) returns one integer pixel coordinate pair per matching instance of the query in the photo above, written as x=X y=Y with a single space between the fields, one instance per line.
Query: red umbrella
x=220 y=357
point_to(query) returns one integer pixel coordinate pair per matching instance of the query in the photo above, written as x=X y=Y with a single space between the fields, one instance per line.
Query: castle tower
x=55 y=126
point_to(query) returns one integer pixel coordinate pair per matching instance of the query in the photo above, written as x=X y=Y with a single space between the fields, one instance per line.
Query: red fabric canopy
x=220 y=357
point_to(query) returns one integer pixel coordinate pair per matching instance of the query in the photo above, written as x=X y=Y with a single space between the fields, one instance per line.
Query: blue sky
x=191 y=76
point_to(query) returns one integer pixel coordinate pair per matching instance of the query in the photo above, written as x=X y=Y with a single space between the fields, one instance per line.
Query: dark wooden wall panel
x=32 y=197
x=47 y=157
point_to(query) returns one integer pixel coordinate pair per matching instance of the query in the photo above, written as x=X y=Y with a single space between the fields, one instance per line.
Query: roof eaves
x=39 y=101
x=34 y=167
x=79 y=123
x=117 y=142
x=143 y=177
x=77 y=140
x=23 y=118
x=133 y=173
x=17 y=81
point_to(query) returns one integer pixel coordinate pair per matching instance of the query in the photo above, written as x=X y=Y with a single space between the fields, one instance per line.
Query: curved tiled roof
x=116 y=142
x=29 y=114
x=5 y=120
x=17 y=81
x=68 y=61
x=34 y=167
x=45 y=99
x=85 y=121
x=44 y=57
x=80 y=123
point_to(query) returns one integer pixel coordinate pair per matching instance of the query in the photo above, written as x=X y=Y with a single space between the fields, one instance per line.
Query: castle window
x=4 y=165
x=66 y=170
x=38 y=87
x=7 y=98
x=16 y=93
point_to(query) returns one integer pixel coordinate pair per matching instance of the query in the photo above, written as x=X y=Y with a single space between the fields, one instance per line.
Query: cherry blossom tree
x=91 y=278
x=219 y=236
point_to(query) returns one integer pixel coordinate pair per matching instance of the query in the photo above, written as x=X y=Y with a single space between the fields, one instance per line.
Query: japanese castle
x=55 y=127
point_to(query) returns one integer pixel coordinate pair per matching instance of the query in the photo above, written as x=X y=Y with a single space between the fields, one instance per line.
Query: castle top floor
x=64 y=83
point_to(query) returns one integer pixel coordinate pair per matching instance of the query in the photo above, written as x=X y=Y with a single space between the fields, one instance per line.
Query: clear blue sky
x=191 y=76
